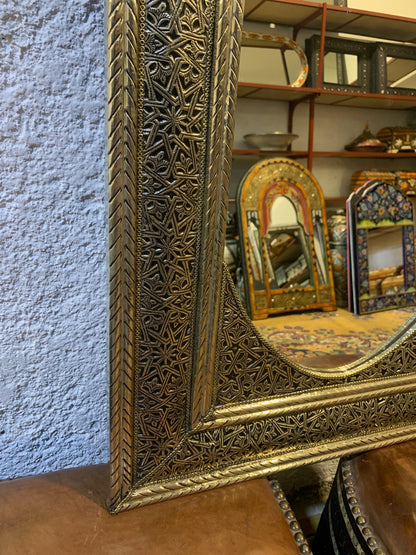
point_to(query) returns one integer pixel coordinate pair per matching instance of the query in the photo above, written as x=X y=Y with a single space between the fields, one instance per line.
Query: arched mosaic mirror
x=198 y=398
x=285 y=251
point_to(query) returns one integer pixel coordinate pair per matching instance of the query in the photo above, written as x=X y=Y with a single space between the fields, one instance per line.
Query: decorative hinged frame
x=198 y=398
x=379 y=205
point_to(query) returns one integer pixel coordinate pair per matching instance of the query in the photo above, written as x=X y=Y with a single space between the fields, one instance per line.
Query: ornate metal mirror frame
x=198 y=399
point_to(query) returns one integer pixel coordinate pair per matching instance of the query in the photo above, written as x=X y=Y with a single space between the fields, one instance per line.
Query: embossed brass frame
x=198 y=399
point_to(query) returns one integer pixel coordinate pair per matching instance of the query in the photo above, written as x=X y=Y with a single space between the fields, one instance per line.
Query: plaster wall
x=53 y=278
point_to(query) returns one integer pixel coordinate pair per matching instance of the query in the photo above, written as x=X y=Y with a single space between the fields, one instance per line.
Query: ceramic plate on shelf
x=270 y=141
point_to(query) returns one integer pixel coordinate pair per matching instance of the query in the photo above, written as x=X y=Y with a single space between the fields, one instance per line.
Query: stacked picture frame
x=382 y=56
x=341 y=47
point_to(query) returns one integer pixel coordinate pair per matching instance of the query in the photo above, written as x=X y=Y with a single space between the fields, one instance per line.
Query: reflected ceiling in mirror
x=394 y=69
x=401 y=72
x=341 y=69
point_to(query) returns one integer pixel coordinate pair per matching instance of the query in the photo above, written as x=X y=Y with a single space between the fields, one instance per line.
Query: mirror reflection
x=401 y=72
x=285 y=245
x=384 y=245
x=340 y=69
x=288 y=257
x=385 y=261
x=283 y=62
x=287 y=254
x=283 y=66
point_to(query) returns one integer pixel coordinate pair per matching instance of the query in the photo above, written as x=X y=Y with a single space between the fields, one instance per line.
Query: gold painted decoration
x=198 y=398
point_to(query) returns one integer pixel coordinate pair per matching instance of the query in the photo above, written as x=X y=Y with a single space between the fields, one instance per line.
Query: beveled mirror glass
x=394 y=69
x=341 y=69
x=401 y=72
x=378 y=241
x=198 y=398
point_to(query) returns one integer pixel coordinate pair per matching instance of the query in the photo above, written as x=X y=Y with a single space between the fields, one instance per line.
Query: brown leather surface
x=385 y=481
x=64 y=513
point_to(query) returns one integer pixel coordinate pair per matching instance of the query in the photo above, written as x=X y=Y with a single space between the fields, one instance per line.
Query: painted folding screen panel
x=381 y=248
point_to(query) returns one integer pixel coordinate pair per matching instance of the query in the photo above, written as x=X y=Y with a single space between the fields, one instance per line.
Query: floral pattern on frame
x=384 y=205
x=378 y=204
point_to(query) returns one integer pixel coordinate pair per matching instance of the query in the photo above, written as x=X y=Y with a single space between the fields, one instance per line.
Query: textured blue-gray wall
x=53 y=269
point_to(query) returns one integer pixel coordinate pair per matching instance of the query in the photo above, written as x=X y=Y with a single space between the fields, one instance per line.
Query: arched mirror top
x=280 y=173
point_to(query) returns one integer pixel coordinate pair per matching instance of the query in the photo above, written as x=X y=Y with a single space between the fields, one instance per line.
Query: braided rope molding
x=310 y=400
x=169 y=489
x=228 y=446
x=132 y=164
x=224 y=70
x=124 y=64
x=223 y=448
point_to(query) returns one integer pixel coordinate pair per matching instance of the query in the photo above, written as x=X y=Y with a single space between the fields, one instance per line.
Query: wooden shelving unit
x=321 y=17
x=259 y=91
x=322 y=154
x=336 y=19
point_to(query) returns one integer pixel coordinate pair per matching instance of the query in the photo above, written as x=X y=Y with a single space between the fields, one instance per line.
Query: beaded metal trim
x=290 y=517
